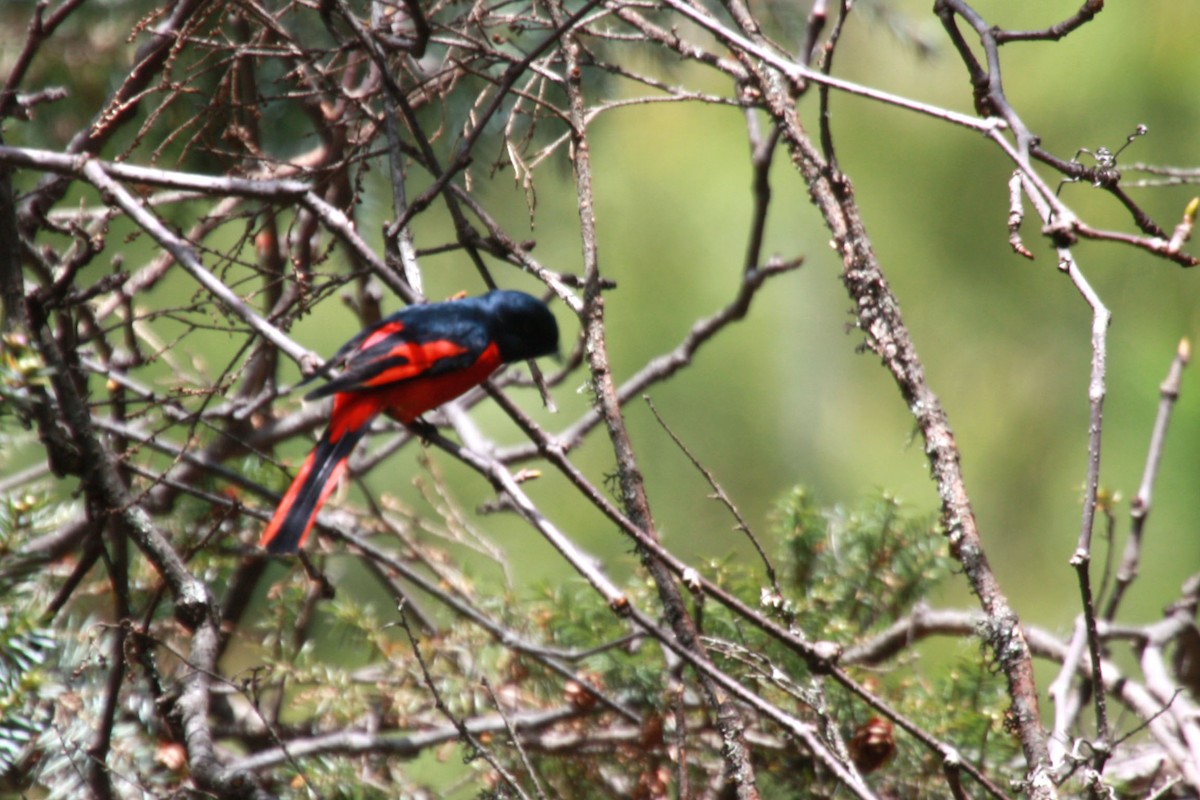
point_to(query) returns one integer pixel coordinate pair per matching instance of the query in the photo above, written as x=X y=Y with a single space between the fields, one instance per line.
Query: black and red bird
x=405 y=365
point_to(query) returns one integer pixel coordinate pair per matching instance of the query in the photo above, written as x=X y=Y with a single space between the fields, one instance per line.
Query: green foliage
x=846 y=573
x=54 y=674
x=963 y=707
x=573 y=616
x=859 y=569
x=26 y=647
x=24 y=651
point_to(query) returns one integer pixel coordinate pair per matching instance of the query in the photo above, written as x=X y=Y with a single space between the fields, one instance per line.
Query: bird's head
x=524 y=327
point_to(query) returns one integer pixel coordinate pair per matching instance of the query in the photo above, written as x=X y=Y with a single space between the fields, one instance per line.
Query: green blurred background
x=785 y=397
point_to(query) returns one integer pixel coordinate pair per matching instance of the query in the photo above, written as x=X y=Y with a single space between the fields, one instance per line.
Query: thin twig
x=1016 y=214
x=799 y=73
x=464 y=732
x=729 y=720
x=720 y=496
x=1081 y=559
x=1139 y=507
x=186 y=256
x=516 y=740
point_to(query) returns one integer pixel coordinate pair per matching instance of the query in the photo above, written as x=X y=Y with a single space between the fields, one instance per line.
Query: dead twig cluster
x=179 y=176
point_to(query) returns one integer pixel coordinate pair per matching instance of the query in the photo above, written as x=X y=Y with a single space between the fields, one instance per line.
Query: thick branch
x=879 y=318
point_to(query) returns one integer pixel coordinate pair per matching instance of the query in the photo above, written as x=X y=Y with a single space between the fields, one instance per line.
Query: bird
x=408 y=363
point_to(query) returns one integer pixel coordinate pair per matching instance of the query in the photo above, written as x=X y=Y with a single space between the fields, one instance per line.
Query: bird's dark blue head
x=522 y=325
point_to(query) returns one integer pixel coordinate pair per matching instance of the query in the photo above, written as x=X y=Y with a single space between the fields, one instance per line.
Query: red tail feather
x=294 y=518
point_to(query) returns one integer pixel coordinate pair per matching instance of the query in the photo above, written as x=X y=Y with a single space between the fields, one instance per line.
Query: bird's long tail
x=294 y=518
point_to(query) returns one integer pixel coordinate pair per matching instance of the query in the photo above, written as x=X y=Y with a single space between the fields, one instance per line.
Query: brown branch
x=528 y=724
x=1016 y=213
x=194 y=606
x=1081 y=558
x=1139 y=507
x=887 y=336
x=504 y=483
x=990 y=100
x=12 y=282
x=1086 y=13
x=41 y=28
x=121 y=107
x=465 y=148
x=739 y=768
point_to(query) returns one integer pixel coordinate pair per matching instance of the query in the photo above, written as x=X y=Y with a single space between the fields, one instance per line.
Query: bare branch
x=1139 y=508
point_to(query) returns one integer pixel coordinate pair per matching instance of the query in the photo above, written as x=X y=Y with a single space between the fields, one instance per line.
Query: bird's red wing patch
x=415 y=359
x=395 y=374
x=409 y=400
x=381 y=333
